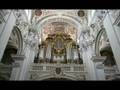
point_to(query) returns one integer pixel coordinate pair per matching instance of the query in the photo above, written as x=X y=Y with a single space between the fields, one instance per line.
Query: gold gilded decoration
x=81 y=13
x=60 y=42
x=58 y=28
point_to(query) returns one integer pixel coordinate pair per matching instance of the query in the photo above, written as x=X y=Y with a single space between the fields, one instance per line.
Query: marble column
x=30 y=54
x=113 y=38
x=6 y=32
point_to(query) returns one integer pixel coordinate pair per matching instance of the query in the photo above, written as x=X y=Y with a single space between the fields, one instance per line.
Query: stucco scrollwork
x=31 y=38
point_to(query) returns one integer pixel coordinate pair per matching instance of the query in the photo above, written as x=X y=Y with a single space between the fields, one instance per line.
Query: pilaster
x=17 y=66
x=99 y=67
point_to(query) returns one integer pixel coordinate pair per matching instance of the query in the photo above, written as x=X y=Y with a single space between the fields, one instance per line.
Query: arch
x=15 y=44
x=97 y=41
x=68 y=17
x=20 y=40
x=74 y=21
x=102 y=52
x=57 y=79
x=52 y=76
x=7 y=59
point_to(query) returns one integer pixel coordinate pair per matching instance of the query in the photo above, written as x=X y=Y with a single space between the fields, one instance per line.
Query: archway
x=13 y=47
x=57 y=79
x=64 y=18
x=103 y=48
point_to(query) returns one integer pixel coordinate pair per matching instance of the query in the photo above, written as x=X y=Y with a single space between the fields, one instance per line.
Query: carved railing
x=110 y=70
x=111 y=73
x=74 y=71
x=65 y=67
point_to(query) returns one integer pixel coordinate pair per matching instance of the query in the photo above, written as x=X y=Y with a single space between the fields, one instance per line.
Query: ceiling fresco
x=59 y=27
x=59 y=21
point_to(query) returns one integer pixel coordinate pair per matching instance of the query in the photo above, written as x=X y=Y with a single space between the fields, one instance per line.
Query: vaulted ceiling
x=65 y=21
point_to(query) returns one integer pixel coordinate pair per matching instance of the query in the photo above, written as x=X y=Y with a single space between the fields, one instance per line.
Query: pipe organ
x=58 y=48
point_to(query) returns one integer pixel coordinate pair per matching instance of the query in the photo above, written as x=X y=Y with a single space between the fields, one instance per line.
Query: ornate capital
x=98 y=58
x=18 y=57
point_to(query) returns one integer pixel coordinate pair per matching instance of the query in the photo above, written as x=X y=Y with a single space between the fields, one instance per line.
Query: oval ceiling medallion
x=81 y=13
x=38 y=12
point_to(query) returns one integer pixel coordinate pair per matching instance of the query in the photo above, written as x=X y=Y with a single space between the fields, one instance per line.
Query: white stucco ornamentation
x=25 y=31
x=46 y=71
